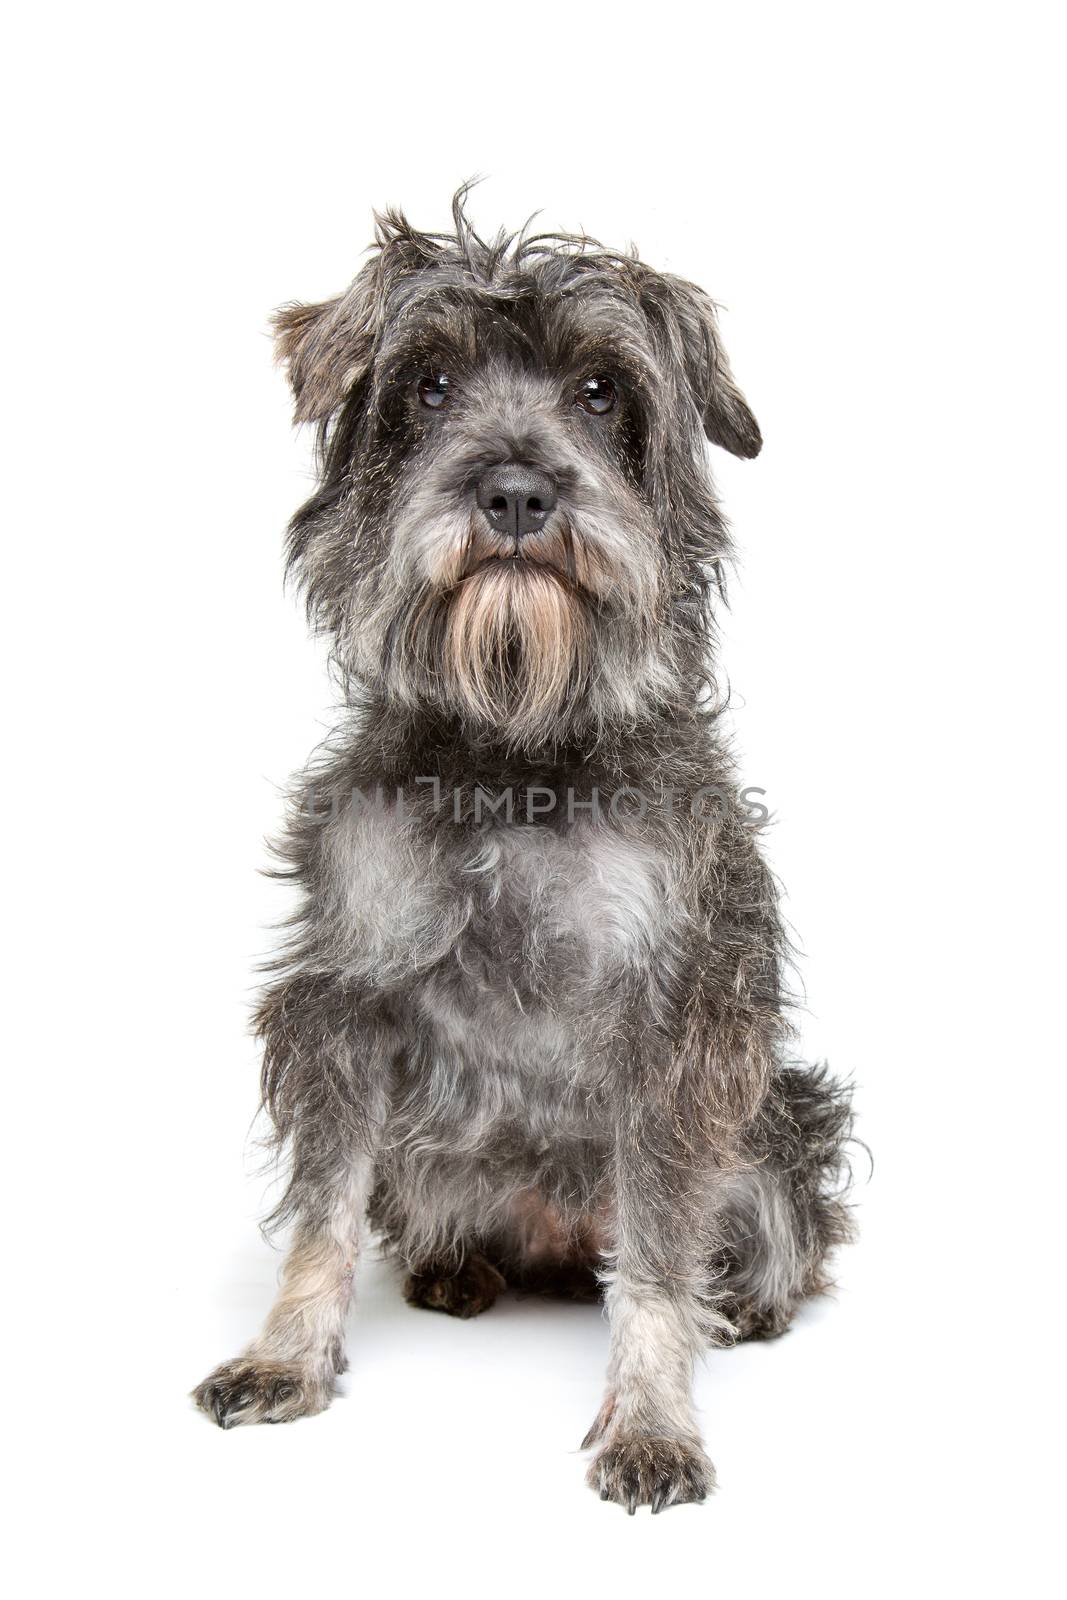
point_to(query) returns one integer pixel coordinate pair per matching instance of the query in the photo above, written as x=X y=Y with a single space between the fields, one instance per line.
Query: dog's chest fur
x=501 y=944
x=503 y=941
x=514 y=914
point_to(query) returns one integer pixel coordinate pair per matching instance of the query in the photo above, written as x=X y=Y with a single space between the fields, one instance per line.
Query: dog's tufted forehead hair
x=561 y=302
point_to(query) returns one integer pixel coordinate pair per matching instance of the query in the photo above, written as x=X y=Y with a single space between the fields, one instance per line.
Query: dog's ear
x=697 y=346
x=328 y=349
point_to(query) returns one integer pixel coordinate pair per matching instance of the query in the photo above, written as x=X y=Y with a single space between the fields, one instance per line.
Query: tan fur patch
x=516 y=643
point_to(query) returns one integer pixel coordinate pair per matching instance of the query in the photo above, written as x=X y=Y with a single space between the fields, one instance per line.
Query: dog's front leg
x=650 y=1448
x=327 y=1100
x=288 y=1370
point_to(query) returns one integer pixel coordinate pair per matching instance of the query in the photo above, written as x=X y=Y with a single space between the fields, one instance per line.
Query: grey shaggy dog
x=530 y=1021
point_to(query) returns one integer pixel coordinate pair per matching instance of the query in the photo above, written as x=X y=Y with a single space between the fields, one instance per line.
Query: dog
x=530 y=1021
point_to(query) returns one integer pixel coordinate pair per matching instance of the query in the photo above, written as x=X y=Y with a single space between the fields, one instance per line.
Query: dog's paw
x=466 y=1292
x=756 y=1323
x=647 y=1471
x=254 y=1389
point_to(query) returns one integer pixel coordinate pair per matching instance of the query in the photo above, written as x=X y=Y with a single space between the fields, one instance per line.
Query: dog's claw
x=642 y=1470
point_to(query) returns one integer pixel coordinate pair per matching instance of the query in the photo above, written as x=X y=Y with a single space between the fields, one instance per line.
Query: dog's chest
x=506 y=917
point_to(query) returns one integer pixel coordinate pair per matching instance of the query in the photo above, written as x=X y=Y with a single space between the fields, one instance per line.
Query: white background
x=873 y=193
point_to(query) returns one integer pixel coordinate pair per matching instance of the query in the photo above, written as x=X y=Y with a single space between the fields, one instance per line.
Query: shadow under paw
x=647 y=1471
x=465 y=1291
x=254 y=1389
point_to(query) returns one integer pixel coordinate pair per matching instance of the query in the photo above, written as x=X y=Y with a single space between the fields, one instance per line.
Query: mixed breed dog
x=530 y=1021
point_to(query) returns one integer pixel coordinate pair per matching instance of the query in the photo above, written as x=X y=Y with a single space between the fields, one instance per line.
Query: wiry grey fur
x=545 y=1050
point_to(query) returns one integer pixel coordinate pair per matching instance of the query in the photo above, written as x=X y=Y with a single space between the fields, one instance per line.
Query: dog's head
x=515 y=522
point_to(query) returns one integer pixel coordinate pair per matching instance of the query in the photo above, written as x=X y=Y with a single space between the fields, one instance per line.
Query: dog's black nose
x=516 y=499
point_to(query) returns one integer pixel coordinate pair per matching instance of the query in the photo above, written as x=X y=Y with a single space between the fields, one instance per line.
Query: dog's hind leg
x=530 y=1249
x=472 y=1286
x=463 y=1289
x=785 y=1213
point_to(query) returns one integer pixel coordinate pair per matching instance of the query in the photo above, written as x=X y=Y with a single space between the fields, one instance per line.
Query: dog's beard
x=516 y=645
x=530 y=642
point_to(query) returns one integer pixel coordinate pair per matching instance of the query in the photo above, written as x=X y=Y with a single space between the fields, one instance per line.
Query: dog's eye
x=596 y=395
x=433 y=391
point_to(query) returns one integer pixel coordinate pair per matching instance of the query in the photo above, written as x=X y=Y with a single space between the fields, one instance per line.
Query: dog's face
x=515 y=523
